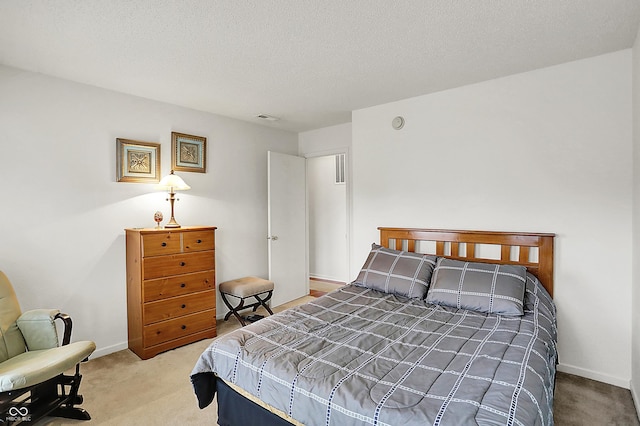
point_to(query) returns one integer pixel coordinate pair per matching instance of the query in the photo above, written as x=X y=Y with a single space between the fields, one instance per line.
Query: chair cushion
x=33 y=367
x=38 y=328
x=246 y=287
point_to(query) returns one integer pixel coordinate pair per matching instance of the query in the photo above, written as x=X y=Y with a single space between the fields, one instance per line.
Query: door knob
x=272 y=238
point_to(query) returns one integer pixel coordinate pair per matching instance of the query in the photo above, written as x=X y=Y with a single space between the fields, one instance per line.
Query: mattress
x=358 y=356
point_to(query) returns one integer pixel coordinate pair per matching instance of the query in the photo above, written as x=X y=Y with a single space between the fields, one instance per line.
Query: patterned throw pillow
x=483 y=287
x=397 y=272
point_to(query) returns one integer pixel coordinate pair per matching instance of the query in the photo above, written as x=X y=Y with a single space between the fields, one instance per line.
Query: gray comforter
x=358 y=356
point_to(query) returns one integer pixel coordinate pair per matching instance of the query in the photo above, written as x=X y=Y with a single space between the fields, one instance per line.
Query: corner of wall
x=635 y=226
x=636 y=401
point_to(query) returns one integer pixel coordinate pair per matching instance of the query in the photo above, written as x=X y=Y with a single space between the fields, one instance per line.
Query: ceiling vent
x=267 y=117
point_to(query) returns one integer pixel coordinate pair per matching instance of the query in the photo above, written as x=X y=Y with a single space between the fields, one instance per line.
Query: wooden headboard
x=515 y=247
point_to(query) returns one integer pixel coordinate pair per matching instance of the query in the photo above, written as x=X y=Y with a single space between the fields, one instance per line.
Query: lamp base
x=172 y=224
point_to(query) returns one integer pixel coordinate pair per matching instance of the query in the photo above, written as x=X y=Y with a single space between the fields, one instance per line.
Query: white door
x=287 y=227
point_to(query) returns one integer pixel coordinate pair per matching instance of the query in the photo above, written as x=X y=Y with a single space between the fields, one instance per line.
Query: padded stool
x=243 y=288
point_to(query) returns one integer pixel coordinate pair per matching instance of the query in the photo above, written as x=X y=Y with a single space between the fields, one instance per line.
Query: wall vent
x=340 y=169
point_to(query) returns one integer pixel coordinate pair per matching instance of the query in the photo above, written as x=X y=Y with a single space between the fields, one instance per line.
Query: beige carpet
x=579 y=401
x=120 y=389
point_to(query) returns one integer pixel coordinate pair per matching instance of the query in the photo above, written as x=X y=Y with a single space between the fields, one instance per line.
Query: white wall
x=546 y=151
x=327 y=202
x=324 y=141
x=635 y=328
x=62 y=218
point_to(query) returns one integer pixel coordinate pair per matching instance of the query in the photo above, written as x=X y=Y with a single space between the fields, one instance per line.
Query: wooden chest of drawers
x=171 y=288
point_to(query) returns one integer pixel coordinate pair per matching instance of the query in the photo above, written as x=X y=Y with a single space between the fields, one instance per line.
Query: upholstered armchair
x=33 y=382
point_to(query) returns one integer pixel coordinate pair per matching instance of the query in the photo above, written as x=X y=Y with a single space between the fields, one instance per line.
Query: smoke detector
x=397 y=123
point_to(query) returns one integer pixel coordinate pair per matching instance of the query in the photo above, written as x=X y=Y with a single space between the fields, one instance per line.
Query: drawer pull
x=184 y=327
x=182 y=263
x=183 y=285
x=199 y=241
x=183 y=306
x=163 y=244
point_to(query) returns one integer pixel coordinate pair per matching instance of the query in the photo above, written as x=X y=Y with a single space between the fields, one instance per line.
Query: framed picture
x=137 y=161
x=188 y=153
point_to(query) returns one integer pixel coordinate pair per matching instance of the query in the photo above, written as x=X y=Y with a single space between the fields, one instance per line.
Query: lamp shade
x=172 y=183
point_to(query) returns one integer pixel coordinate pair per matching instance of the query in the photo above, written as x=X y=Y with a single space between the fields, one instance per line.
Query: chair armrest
x=39 y=329
x=68 y=324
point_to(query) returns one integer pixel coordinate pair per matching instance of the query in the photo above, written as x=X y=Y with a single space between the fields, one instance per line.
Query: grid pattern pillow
x=483 y=287
x=397 y=272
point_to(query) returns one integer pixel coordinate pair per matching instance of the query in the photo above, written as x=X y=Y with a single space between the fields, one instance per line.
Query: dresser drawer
x=166 y=266
x=198 y=241
x=178 y=306
x=163 y=288
x=160 y=243
x=160 y=332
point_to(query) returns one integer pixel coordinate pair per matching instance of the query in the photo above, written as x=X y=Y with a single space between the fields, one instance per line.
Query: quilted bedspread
x=358 y=356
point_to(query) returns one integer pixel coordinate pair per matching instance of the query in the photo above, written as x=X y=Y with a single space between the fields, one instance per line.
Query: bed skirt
x=234 y=409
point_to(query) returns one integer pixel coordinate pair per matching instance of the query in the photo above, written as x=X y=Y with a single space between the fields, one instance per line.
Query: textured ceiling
x=308 y=62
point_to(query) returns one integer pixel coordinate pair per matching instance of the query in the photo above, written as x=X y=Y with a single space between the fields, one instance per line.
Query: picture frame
x=188 y=153
x=137 y=161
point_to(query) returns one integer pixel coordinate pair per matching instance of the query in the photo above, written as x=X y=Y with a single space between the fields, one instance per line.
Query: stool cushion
x=246 y=287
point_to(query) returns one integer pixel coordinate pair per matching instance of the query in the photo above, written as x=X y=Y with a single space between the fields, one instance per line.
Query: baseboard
x=109 y=350
x=327 y=279
x=594 y=375
x=636 y=401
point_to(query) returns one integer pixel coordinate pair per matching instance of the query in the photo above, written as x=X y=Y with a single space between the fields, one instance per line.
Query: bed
x=440 y=327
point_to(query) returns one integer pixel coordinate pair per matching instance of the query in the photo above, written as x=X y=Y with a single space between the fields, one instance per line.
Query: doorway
x=328 y=218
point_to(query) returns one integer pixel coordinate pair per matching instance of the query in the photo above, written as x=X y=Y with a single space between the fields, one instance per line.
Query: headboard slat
x=543 y=268
x=505 y=253
x=454 y=249
x=471 y=250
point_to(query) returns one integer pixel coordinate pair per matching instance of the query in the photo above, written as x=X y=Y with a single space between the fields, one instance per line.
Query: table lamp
x=172 y=183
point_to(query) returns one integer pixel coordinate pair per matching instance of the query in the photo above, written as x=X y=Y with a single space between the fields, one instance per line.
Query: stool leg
x=233 y=310
x=263 y=301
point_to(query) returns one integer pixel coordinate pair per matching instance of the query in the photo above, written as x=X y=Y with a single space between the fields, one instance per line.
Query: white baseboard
x=109 y=350
x=636 y=401
x=326 y=278
x=594 y=375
